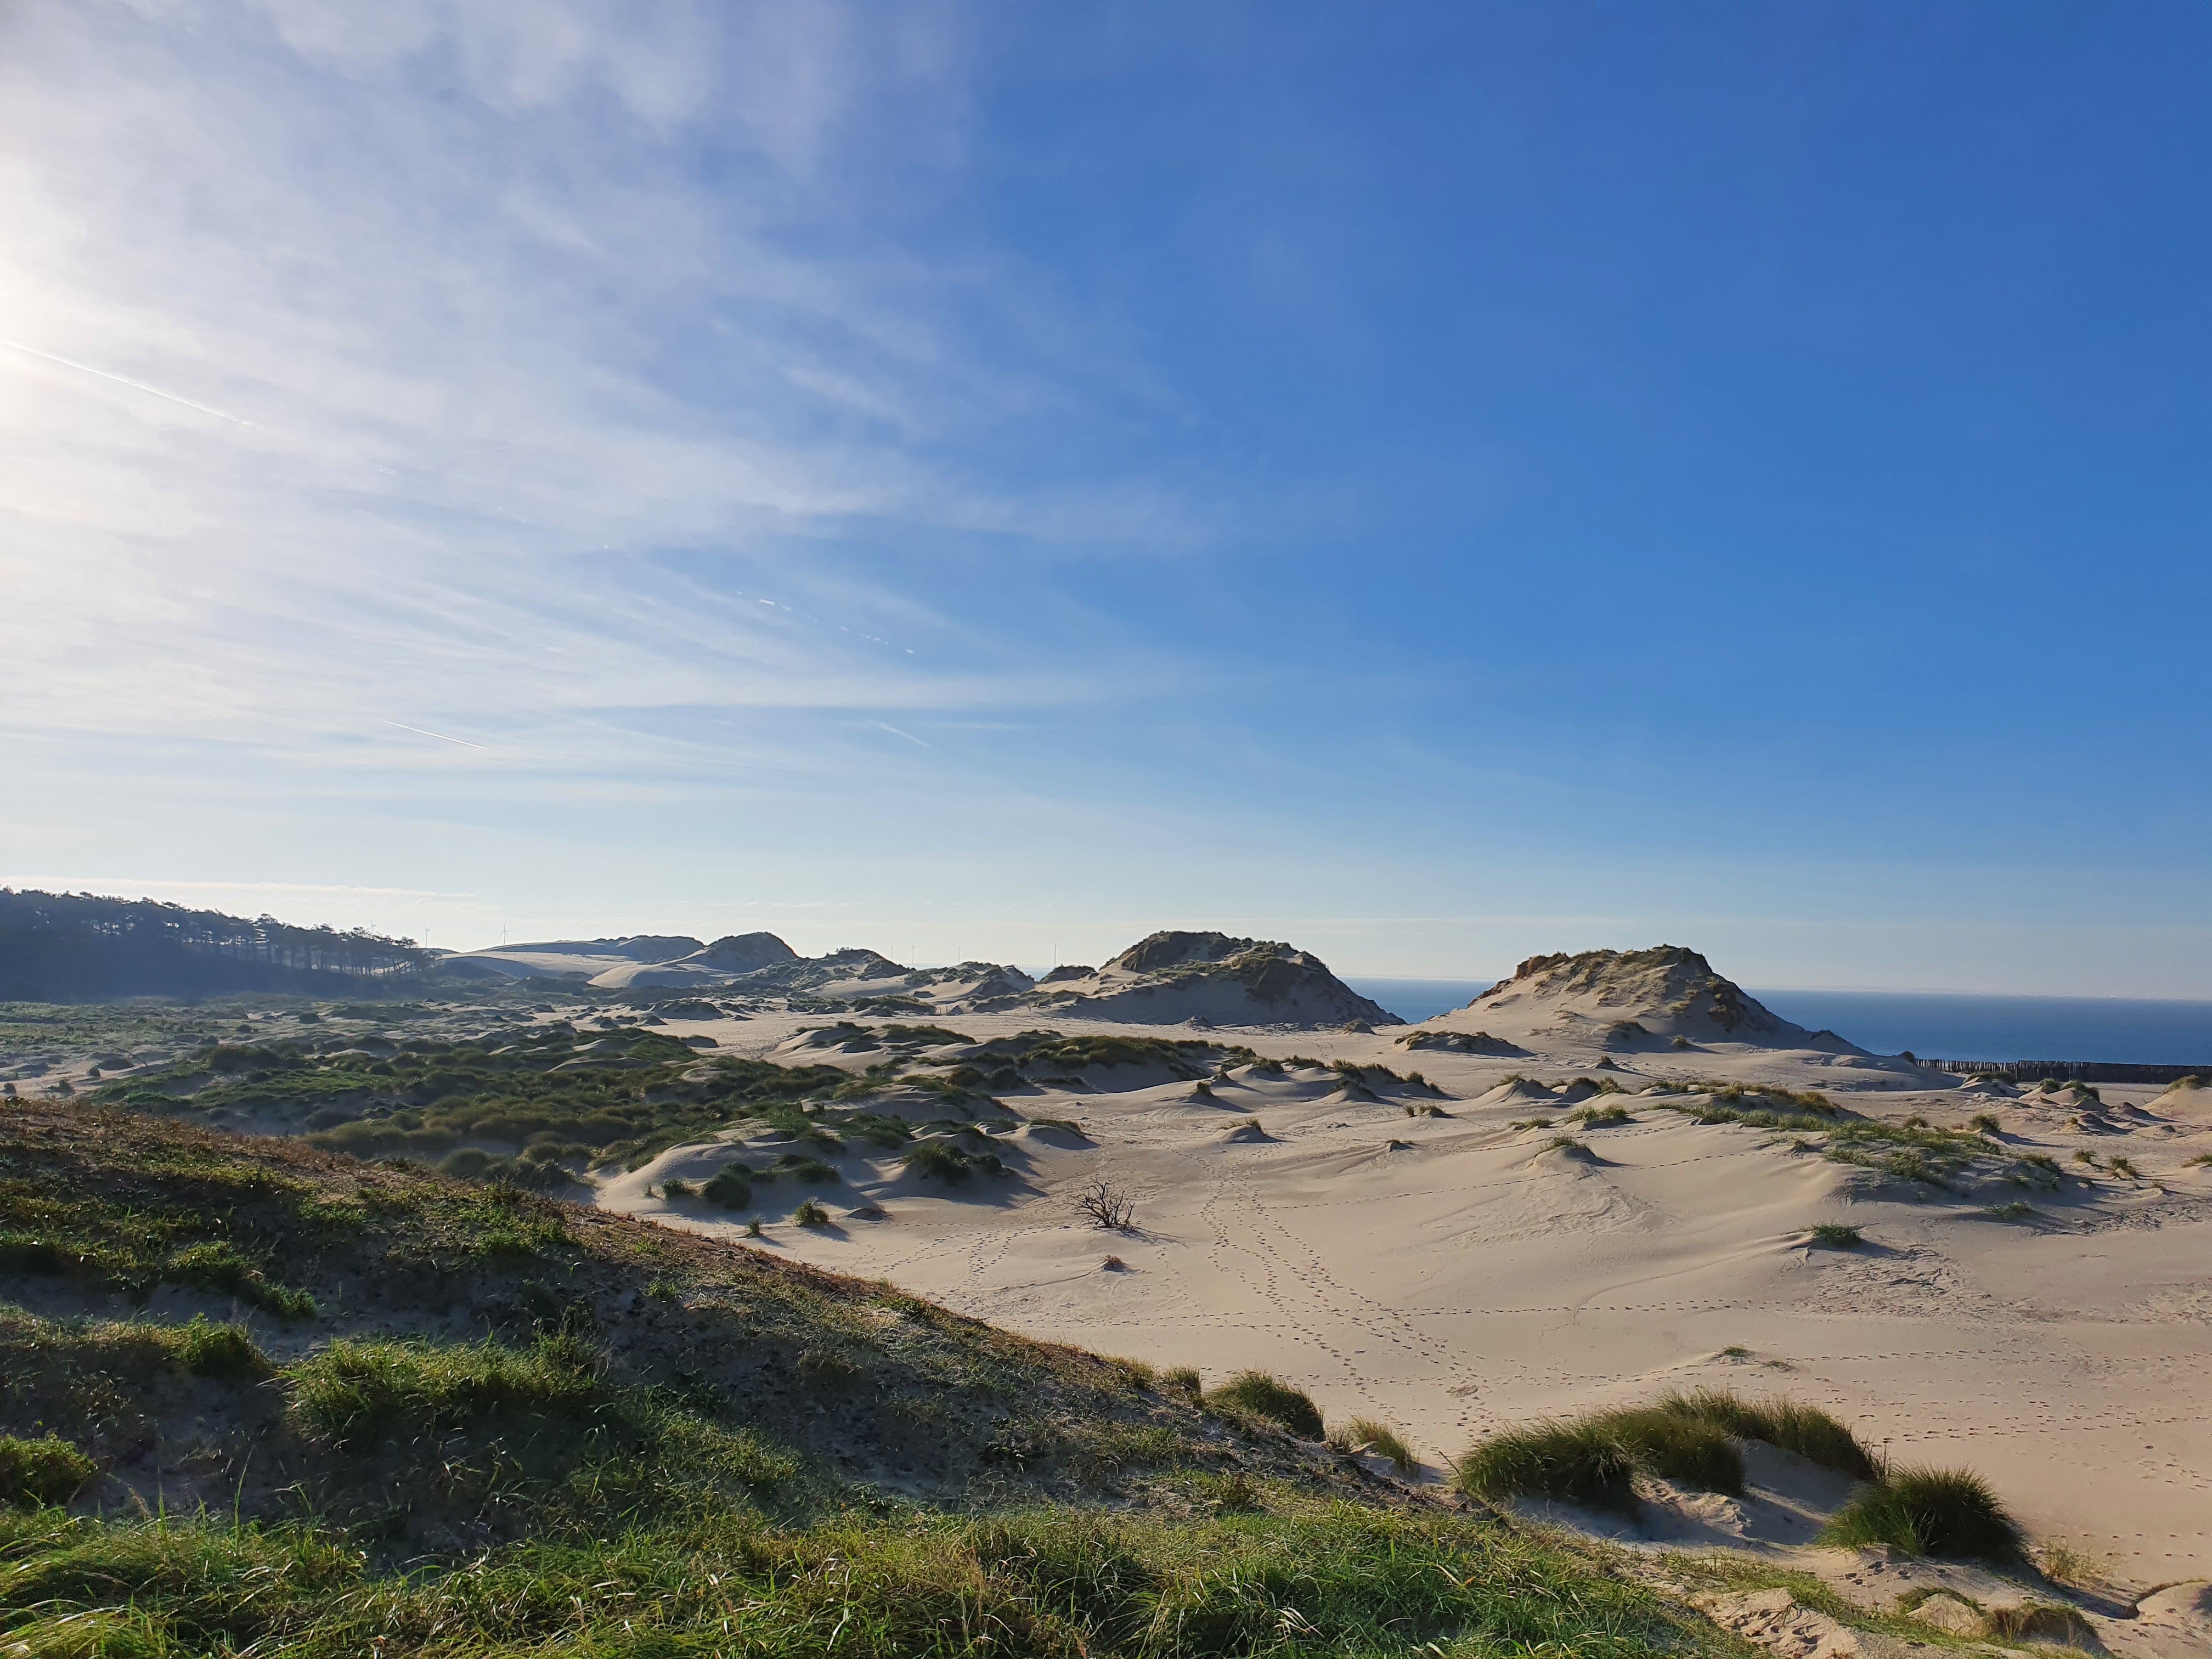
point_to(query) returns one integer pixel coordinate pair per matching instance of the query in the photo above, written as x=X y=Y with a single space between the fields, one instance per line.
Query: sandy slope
x=1469 y=1277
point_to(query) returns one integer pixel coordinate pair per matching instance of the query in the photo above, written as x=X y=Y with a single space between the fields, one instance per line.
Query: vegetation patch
x=1601 y=1117
x=1368 y=1434
x=531 y=1105
x=1055 y=1582
x=1576 y=1462
x=1805 y=1430
x=1687 y=1438
x=353 y=1394
x=1257 y=1393
x=1927 y=1511
x=945 y=1160
x=34 y=1473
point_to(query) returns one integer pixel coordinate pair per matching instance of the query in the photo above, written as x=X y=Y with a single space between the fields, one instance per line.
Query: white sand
x=1472 y=1279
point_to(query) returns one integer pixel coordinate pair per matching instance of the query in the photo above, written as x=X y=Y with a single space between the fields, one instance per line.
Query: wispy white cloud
x=428 y=330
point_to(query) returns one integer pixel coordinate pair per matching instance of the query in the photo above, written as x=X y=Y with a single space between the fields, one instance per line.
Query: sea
x=1934 y=1026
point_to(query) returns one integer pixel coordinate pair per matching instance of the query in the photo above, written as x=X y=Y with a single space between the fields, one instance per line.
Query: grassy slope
x=580 y=1431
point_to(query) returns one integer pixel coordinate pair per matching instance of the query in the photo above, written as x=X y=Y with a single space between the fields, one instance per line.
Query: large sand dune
x=1423 y=1252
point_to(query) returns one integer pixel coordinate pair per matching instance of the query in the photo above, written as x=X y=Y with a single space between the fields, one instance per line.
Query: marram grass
x=1687 y=1438
x=1332 y=1580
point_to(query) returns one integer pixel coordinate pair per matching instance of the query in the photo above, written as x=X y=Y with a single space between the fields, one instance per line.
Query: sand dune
x=1167 y=978
x=2030 y=1300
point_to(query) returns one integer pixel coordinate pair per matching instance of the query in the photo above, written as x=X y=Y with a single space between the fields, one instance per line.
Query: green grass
x=1833 y=1235
x=1256 y=1394
x=731 y=1186
x=1925 y=1511
x=942 y=1160
x=1806 y=1430
x=356 y=1393
x=1052 y=1582
x=1601 y=1117
x=1368 y=1434
x=206 y=1349
x=801 y=1359
x=1687 y=1438
x=1984 y=1123
x=810 y=1214
x=206 y=1235
x=552 y=1093
x=1577 y=1462
x=34 y=1473
x=1182 y=1379
x=1687 y=1450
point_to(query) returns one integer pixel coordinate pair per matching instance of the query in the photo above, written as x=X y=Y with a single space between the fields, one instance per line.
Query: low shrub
x=1256 y=1394
x=1985 y=1122
x=1926 y=1511
x=1832 y=1236
x=810 y=1214
x=36 y=1473
x=731 y=1186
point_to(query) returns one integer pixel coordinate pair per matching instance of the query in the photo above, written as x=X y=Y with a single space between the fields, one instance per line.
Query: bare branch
x=1108 y=1206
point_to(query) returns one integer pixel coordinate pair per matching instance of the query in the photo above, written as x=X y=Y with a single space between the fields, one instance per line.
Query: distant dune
x=1168 y=978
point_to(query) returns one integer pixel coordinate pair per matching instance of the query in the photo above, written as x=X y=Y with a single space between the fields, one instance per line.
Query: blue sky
x=1436 y=484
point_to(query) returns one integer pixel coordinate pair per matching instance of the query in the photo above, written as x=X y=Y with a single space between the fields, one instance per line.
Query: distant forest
x=77 y=947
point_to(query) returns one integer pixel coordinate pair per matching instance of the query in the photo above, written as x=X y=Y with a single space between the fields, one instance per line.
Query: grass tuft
x=35 y=1473
x=1832 y=1236
x=944 y=1161
x=1806 y=1430
x=1256 y=1394
x=356 y=1393
x=206 y=1349
x=1367 y=1434
x=731 y=1186
x=1926 y=1511
x=1576 y=1462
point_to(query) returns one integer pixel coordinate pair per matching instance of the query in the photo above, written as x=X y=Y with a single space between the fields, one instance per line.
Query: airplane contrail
x=441 y=736
x=136 y=386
